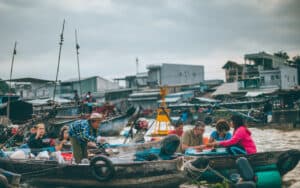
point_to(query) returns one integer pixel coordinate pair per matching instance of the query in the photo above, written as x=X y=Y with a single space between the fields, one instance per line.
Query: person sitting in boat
x=63 y=142
x=194 y=137
x=39 y=140
x=241 y=141
x=221 y=133
x=83 y=133
x=178 y=129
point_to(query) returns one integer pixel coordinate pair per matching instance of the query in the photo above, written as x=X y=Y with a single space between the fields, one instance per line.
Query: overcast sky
x=112 y=33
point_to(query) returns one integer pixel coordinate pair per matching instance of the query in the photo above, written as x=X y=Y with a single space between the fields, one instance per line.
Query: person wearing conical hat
x=82 y=132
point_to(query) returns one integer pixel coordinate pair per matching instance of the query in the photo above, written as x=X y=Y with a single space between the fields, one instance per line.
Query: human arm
x=60 y=145
x=32 y=141
x=212 y=137
x=186 y=140
x=85 y=134
x=199 y=147
x=235 y=139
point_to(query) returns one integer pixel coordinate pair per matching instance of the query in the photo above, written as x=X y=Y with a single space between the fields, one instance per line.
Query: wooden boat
x=118 y=171
x=269 y=167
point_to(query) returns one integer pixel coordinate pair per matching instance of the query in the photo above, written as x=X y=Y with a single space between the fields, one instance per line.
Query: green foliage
x=282 y=54
x=296 y=60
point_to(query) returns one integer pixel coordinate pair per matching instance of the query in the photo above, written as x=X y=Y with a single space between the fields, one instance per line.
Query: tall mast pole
x=59 y=54
x=78 y=66
x=10 y=76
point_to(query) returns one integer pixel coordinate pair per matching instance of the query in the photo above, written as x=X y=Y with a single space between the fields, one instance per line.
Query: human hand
x=92 y=144
x=101 y=140
x=212 y=144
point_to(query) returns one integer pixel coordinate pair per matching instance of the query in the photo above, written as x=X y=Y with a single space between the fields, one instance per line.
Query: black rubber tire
x=288 y=161
x=108 y=164
x=3 y=181
x=170 y=144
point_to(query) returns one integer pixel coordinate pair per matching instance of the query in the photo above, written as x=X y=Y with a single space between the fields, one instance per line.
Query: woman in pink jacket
x=241 y=141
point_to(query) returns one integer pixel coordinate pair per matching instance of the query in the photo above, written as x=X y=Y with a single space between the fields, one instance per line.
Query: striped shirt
x=82 y=130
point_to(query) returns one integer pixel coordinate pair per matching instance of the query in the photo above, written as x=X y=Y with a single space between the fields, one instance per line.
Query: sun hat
x=96 y=116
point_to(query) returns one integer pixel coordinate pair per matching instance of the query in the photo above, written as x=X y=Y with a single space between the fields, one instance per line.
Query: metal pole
x=137 y=65
x=59 y=54
x=78 y=67
x=10 y=76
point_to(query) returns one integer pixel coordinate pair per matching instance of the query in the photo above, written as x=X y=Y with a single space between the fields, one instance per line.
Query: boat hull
x=277 y=162
x=127 y=174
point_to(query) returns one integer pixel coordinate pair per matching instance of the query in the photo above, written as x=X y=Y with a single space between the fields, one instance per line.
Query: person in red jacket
x=241 y=141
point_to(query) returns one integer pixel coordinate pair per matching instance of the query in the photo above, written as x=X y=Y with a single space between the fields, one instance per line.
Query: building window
x=288 y=78
x=294 y=79
x=277 y=77
x=272 y=77
x=262 y=79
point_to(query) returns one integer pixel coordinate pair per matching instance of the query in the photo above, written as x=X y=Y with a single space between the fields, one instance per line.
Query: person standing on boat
x=268 y=107
x=88 y=97
x=222 y=132
x=241 y=141
x=193 y=138
x=82 y=133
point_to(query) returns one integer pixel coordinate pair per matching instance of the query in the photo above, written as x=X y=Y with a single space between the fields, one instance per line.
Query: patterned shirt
x=82 y=130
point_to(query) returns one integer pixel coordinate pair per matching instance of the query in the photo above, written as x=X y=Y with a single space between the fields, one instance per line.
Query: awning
x=207 y=100
x=253 y=94
x=170 y=100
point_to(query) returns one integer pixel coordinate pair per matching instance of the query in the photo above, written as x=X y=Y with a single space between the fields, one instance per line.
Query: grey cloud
x=112 y=33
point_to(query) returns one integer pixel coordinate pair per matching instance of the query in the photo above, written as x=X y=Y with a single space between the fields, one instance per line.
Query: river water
x=272 y=140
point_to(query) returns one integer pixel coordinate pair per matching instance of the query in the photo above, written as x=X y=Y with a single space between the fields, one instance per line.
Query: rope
x=196 y=173
x=39 y=172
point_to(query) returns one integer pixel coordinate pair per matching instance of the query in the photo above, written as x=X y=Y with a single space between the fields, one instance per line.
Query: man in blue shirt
x=81 y=133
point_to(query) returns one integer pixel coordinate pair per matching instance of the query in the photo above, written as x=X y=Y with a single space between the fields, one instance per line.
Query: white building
x=271 y=70
x=175 y=74
x=94 y=84
x=32 y=88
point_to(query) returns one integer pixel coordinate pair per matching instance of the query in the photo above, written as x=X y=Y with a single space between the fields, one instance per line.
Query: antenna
x=137 y=65
x=10 y=76
x=59 y=54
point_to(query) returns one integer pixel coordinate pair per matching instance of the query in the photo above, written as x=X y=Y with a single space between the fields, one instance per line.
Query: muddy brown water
x=272 y=140
x=266 y=140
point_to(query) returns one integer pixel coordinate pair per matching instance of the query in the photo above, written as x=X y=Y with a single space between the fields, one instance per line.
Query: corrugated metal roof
x=226 y=89
x=204 y=99
x=170 y=100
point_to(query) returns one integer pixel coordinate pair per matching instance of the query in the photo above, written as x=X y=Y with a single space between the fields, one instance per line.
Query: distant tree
x=282 y=54
x=296 y=60
x=4 y=88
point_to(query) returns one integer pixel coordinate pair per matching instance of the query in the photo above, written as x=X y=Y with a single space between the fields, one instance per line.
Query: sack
x=43 y=156
x=59 y=157
x=18 y=155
